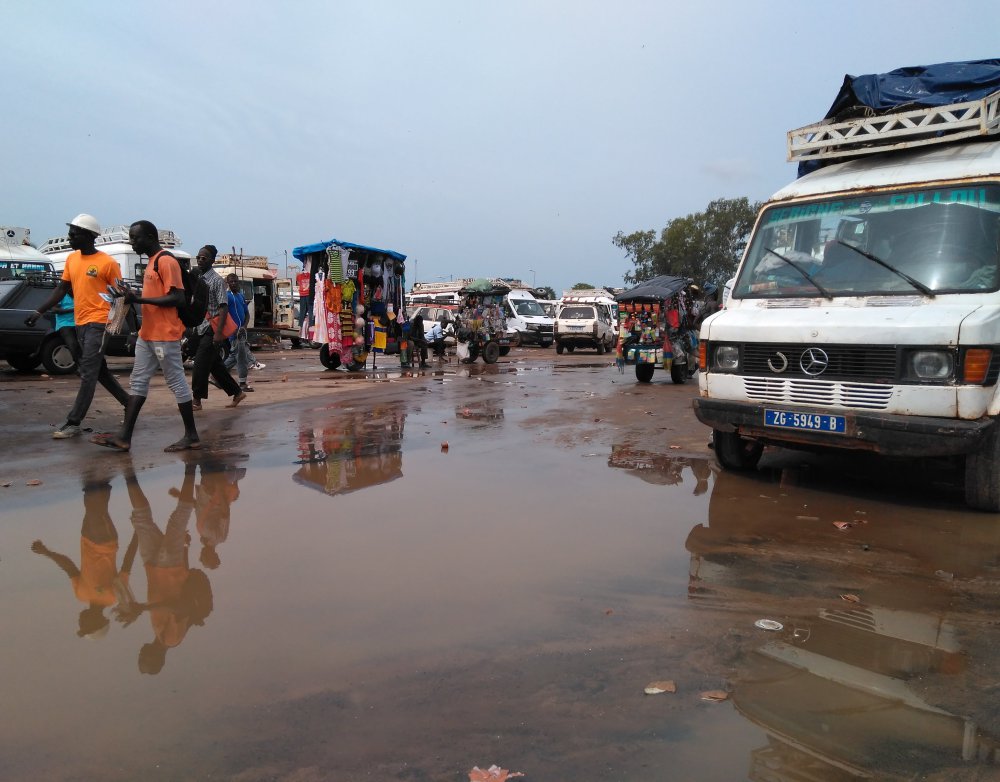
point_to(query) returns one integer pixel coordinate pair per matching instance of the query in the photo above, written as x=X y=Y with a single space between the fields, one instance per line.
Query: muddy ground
x=391 y=608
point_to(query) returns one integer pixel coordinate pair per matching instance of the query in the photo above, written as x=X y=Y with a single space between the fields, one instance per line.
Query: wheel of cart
x=491 y=352
x=644 y=372
x=329 y=359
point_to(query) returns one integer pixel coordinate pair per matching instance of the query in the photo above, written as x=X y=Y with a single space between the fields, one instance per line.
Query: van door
x=284 y=317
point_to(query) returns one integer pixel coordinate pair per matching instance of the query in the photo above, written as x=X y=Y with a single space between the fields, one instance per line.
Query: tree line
x=705 y=246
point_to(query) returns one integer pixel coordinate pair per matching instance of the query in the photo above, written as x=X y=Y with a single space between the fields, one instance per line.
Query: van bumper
x=883 y=433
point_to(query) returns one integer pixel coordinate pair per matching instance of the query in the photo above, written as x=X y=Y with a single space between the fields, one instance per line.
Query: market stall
x=482 y=326
x=657 y=321
x=351 y=301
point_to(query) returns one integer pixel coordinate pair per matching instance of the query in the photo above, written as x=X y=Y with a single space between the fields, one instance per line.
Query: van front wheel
x=735 y=452
x=982 y=473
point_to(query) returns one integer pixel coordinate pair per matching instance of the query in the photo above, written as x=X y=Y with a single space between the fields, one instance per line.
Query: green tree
x=582 y=286
x=703 y=246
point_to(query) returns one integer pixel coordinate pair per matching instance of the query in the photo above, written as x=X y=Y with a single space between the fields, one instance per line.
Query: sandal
x=237 y=399
x=110 y=440
x=184 y=444
x=196 y=405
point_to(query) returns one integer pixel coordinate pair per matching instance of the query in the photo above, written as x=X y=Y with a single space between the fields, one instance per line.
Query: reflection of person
x=97 y=581
x=207 y=361
x=87 y=275
x=219 y=488
x=159 y=342
x=176 y=595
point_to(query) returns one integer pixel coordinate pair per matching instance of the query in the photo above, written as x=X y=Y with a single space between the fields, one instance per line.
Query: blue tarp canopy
x=657 y=289
x=320 y=247
x=920 y=86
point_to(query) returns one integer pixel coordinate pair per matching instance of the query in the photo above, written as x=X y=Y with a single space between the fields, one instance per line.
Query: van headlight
x=930 y=365
x=727 y=358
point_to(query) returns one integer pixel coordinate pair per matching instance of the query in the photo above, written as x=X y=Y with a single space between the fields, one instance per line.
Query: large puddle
x=343 y=596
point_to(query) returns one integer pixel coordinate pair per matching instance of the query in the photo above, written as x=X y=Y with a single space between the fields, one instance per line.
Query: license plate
x=815 y=422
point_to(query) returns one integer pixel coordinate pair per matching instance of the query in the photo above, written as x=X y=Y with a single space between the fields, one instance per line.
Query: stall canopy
x=658 y=288
x=320 y=247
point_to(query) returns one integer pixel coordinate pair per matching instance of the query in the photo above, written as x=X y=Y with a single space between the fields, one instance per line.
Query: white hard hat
x=87 y=223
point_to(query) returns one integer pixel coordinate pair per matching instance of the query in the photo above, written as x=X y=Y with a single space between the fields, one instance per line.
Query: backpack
x=195 y=294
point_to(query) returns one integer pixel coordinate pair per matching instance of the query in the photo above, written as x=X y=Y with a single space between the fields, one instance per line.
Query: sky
x=506 y=139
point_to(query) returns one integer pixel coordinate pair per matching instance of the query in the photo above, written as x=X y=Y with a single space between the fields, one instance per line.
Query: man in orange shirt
x=159 y=342
x=86 y=276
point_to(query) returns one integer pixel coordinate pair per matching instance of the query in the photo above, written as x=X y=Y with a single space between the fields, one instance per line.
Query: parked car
x=584 y=326
x=27 y=347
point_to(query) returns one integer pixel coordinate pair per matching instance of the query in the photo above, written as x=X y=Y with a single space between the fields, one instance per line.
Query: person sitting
x=434 y=336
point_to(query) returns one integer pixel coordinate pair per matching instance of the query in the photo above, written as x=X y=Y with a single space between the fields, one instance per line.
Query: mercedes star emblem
x=814 y=361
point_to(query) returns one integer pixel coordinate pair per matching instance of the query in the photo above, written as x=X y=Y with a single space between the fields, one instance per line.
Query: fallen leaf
x=843 y=526
x=33 y=482
x=492 y=774
x=715 y=695
x=655 y=688
x=675 y=447
x=284 y=378
x=608 y=611
x=851 y=598
x=444 y=446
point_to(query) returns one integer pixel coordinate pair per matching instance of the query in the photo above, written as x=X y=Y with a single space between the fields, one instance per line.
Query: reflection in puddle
x=839 y=690
x=177 y=596
x=482 y=414
x=354 y=450
x=656 y=468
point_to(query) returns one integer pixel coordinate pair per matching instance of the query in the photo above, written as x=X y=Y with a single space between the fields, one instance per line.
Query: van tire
x=559 y=348
x=504 y=350
x=570 y=348
x=982 y=473
x=735 y=452
x=491 y=352
x=644 y=372
x=600 y=348
x=57 y=358
x=328 y=359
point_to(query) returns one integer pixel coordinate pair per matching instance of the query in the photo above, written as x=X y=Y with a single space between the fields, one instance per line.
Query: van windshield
x=527 y=307
x=937 y=240
x=577 y=313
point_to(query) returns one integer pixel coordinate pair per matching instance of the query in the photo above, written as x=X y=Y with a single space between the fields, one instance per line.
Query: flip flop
x=183 y=445
x=108 y=440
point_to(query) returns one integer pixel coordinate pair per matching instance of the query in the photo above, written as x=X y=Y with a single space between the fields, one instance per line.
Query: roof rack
x=901 y=130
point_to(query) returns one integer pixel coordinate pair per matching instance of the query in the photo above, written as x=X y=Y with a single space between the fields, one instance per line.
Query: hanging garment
x=321 y=334
x=331 y=303
x=380 y=338
x=335 y=264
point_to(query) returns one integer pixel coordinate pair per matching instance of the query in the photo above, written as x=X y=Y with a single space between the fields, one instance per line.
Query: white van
x=865 y=315
x=114 y=241
x=527 y=319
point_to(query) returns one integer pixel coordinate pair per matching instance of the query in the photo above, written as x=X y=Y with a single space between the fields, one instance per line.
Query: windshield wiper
x=915 y=283
x=801 y=271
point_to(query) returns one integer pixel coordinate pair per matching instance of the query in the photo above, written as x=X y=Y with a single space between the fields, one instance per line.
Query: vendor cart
x=482 y=327
x=657 y=322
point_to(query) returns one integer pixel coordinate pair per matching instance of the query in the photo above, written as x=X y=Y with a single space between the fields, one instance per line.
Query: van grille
x=856 y=362
x=818 y=392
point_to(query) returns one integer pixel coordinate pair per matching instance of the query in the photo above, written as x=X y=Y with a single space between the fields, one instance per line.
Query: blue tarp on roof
x=658 y=288
x=918 y=86
x=308 y=249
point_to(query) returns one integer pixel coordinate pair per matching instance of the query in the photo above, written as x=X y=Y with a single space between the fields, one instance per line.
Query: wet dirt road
x=356 y=602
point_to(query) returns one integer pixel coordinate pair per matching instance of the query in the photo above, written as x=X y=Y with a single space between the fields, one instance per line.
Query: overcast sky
x=507 y=139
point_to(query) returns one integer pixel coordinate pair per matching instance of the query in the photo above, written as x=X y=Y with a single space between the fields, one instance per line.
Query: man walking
x=239 y=353
x=159 y=342
x=207 y=360
x=86 y=276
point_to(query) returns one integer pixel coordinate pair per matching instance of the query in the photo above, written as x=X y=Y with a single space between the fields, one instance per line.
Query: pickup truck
x=27 y=347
